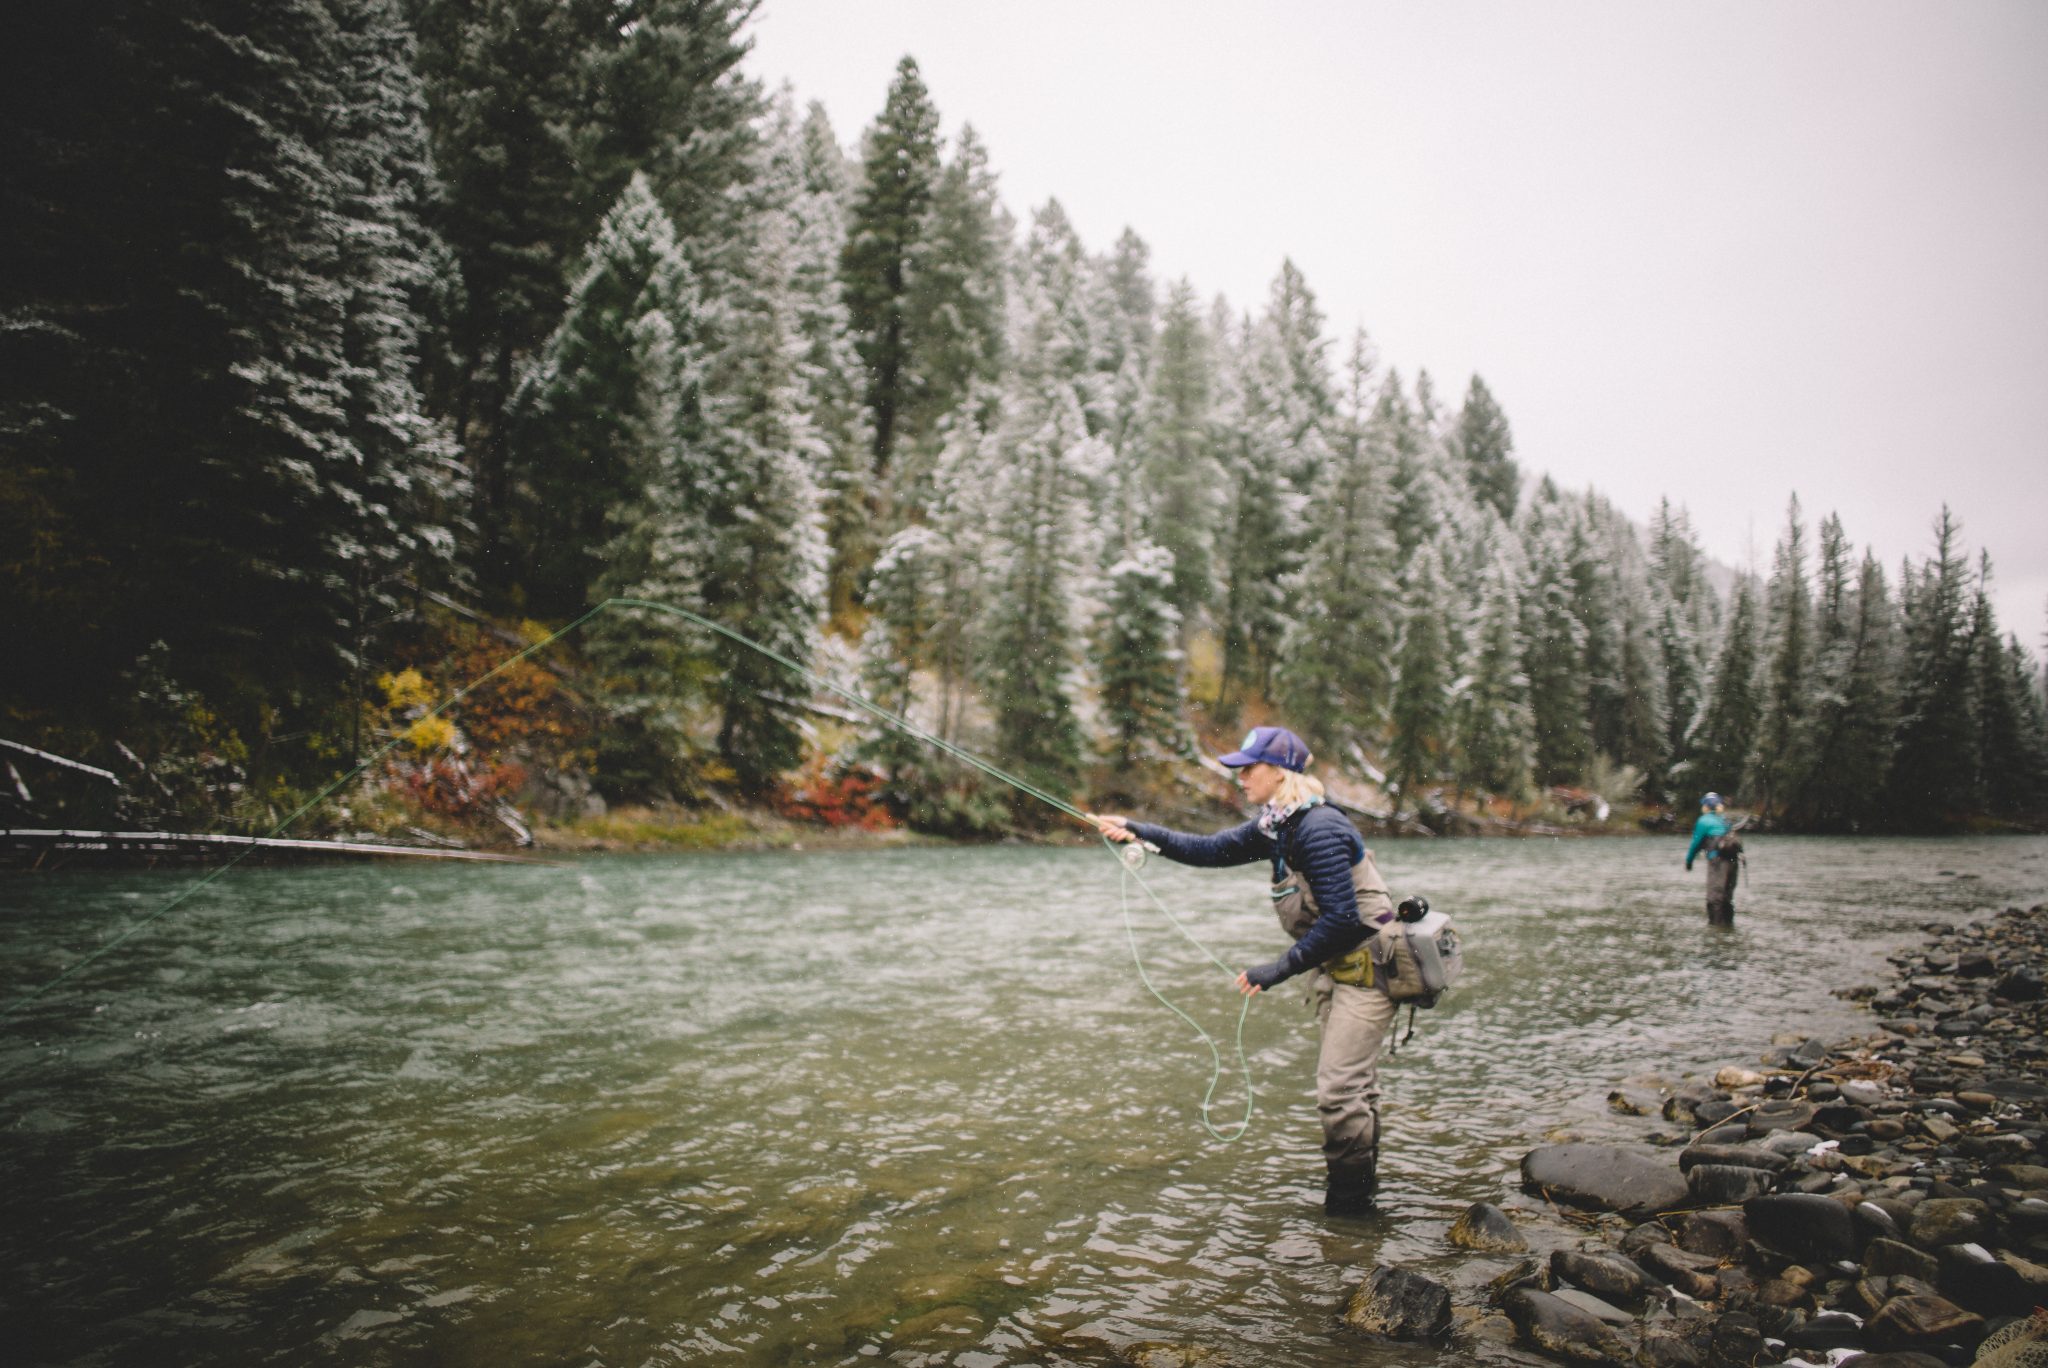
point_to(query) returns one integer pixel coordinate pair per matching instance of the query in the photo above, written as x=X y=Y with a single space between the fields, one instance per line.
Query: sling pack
x=1425 y=956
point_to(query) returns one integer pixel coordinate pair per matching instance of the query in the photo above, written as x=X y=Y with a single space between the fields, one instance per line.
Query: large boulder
x=1801 y=1225
x=1557 y=1327
x=1604 y=1178
x=1396 y=1304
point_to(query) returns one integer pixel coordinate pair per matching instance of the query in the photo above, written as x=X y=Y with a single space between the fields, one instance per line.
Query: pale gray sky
x=1717 y=251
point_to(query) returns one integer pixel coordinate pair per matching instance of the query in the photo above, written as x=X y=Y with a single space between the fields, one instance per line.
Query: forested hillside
x=351 y=345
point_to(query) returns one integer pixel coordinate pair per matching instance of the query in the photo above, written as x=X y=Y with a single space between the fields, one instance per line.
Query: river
x=897 y=1106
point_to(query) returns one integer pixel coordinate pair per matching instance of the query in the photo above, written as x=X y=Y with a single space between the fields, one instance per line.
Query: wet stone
x=1667 y=1347
x=1801 y=1226
x=1604 y=1178
x=1920 y=1321
x=1885 y=1258
x=1605 y=1275
x=1737 y=1339
x=1692 y=1274
x=1726 y=1185
x=1739 y=1156
x=1720 y=1234
x=1643 y=1236
x=1828 y=1330
x=1396 y=1304
x=1951 y=1220
x=1557 y=1327
x=1781 y=1116
x=1873 y=1222
x=1487 y=1229
x=1592 y=1305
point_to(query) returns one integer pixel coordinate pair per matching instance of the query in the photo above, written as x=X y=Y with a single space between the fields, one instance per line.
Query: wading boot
x=1350 y=1189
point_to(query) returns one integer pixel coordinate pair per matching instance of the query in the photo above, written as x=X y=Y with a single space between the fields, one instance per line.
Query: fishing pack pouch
x=1727 y=846
x=1424 y=957
x=1295 y=906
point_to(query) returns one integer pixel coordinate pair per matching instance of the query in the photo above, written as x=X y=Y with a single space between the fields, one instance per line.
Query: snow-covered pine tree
x=1262 y=518
x=1138 y=660
x=1492 y=721
x=1681 y=606
x=953 y=315
x=809 y=174
x=1934 y=768
x=1554 y=642
x=1293 y=355
x=765 y=555
x=1778 y=761
x=582 y=449
x=1486 y=450
x=1340 y=647
x=2009 y=776
x=1420 y=712
x=1177 y=455
x=1726 y=735
x=1045 y=464
x=900 y=173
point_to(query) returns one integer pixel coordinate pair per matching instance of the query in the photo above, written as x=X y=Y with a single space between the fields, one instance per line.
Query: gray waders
x=1722 y=871
x=1354 y=1012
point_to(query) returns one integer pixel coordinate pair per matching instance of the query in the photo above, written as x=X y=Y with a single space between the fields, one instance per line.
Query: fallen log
x=191 y=843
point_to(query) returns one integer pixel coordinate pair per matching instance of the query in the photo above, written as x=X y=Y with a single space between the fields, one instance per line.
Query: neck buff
x=1272 y=814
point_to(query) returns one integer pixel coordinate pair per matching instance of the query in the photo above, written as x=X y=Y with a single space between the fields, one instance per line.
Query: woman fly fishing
x=1330 y=897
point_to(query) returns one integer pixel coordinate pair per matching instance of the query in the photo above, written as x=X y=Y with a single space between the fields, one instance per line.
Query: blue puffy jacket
x=1318 y=841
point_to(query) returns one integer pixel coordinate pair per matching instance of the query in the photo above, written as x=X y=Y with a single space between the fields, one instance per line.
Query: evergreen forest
x=351 y=346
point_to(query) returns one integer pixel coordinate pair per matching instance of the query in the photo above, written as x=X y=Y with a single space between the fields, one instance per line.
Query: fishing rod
x=1129 y=866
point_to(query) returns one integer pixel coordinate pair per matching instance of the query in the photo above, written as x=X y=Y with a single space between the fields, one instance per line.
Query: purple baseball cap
x=1269 y=746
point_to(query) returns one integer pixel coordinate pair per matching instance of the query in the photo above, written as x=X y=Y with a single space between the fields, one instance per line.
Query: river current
x=904 y=1106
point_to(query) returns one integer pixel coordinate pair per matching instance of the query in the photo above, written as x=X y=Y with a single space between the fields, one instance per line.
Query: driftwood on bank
x=149 y=844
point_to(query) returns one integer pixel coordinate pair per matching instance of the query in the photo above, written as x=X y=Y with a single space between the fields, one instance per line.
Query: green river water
x=897 y=1106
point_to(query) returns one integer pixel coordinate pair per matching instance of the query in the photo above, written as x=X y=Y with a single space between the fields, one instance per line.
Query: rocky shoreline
x=1880 y=1200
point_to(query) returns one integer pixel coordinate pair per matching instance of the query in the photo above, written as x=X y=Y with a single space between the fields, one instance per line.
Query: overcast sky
x=1723 y=252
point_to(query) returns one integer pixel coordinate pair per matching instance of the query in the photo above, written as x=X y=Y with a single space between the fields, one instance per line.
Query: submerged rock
x=1603 y=1177
x=1923 y=1321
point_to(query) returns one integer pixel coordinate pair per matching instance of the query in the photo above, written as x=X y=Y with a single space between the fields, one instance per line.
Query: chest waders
x=1294 y=903
x=1354 y=1025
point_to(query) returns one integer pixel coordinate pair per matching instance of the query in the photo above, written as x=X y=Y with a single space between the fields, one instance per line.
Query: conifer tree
x=1340 y=650
x=1294 y=354
x=1139 y=661
x=890 y=216
x=1030 y=634
x=1260 y=533
x=582 y=450
x=953 y=314
x=1682 y=605
x=765 y=554
x=1177 y=456
x=1492 y=720
x=1420 y=721
x=1726 y=735
x=1846 y=737
x=1486 y=449
x=540 y=112
x=1933 y=772
x=1777 y=763
x=808 y=175
x=1554 y=644
x=2008 y=762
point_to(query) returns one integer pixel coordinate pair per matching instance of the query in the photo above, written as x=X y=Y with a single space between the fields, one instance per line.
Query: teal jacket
x=1710 y=825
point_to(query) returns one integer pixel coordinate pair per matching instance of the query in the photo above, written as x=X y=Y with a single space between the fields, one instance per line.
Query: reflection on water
x=908 y=1106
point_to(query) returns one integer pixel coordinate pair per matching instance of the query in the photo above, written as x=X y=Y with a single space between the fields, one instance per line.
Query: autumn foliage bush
x=833 y=795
